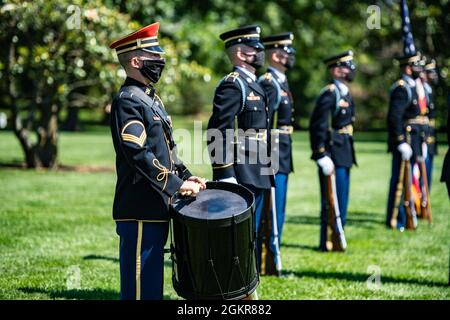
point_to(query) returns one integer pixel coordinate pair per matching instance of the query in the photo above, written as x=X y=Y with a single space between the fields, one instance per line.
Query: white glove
x=424 y=150
x=326 y=164
x=405 y=150
x=230 y=180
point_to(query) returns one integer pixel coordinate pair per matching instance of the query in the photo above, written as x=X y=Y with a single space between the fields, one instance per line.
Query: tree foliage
x=54 y=54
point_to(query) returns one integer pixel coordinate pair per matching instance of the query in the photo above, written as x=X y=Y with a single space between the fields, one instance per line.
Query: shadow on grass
x=361 y=277
x=15 y=164
x=299 y=246
x=303 y=220
x=97 y=257
x=354 y=219
x=167 y=262
x=81 y=294
x=364 y=219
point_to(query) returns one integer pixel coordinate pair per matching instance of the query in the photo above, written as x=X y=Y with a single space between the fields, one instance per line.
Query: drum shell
x=214 y=259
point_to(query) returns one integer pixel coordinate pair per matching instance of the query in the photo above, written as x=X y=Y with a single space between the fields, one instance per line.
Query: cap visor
x=255 y=44
x=154 y=49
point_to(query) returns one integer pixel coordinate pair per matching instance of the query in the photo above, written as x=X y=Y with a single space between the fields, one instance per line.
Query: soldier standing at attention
x=445 y=174
x=281 y=57
x=407 y=123
x=148 y=172
x=240 y=109
x=332 y=146
x=430 y=79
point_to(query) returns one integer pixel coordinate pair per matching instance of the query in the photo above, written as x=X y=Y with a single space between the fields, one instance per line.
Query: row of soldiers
x=150 y=174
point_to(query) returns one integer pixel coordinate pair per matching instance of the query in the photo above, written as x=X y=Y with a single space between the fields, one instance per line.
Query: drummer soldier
x=281 y=57
x=332 y=143
x=240 y=109
x=148 y=172
x=407 y=123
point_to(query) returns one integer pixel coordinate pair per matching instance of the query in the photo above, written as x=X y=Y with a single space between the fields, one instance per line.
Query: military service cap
x=144 y=39
x=430 y=65
x=280 y=41
x=409 y=60
x=343 y=59
x=248 y=35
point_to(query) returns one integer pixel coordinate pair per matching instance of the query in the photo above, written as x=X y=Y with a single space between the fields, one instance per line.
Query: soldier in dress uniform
x=148 y=171
x=445 y=174
x=407 y=126
x=281 y=57
x=238 y=127
x=430 y=78
x=332 y=143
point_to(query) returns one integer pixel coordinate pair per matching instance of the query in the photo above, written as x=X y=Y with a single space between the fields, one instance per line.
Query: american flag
x=408 y=40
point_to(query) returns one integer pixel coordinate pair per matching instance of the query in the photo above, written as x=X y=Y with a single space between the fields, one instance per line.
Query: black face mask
x=258 y=60
x=290 y=63
x=416 y=72
x=434 y=79
x=415 y=75
x=152 y=69
x=350 y=76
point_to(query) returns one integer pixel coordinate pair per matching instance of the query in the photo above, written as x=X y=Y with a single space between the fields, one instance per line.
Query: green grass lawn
x=53 y=224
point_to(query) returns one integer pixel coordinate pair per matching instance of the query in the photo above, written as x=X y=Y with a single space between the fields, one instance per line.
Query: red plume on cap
x=144 y=39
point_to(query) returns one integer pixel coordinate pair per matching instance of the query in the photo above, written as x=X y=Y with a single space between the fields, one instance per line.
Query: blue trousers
x=141 y=259
x=429 y=168
x=281 y=187
x=342 y=190
x=259 y=206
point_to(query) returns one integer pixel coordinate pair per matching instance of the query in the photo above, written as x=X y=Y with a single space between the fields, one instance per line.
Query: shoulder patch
x=134 y=131
x=233 y=75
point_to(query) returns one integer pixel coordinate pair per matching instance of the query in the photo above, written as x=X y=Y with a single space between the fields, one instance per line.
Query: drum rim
x=234 y=295
x=227 y=186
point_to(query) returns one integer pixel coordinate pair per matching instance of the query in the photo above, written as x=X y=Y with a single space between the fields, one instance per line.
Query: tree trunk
x=23 y=137
x=20 y=131
x=46 y=148
x=71 y=122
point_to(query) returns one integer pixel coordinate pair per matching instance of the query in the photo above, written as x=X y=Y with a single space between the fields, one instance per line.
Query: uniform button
x=267 y=109
x=255 y=108
x=343 y=111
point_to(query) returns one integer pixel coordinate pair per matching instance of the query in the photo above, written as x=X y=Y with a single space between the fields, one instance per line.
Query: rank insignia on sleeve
x=134 y=131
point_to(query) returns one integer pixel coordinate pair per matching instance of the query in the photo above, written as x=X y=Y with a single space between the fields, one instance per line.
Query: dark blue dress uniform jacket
x=148 y=172
x=227 y=108
x=404 y=106
x=284 y=110
x=328 y=142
